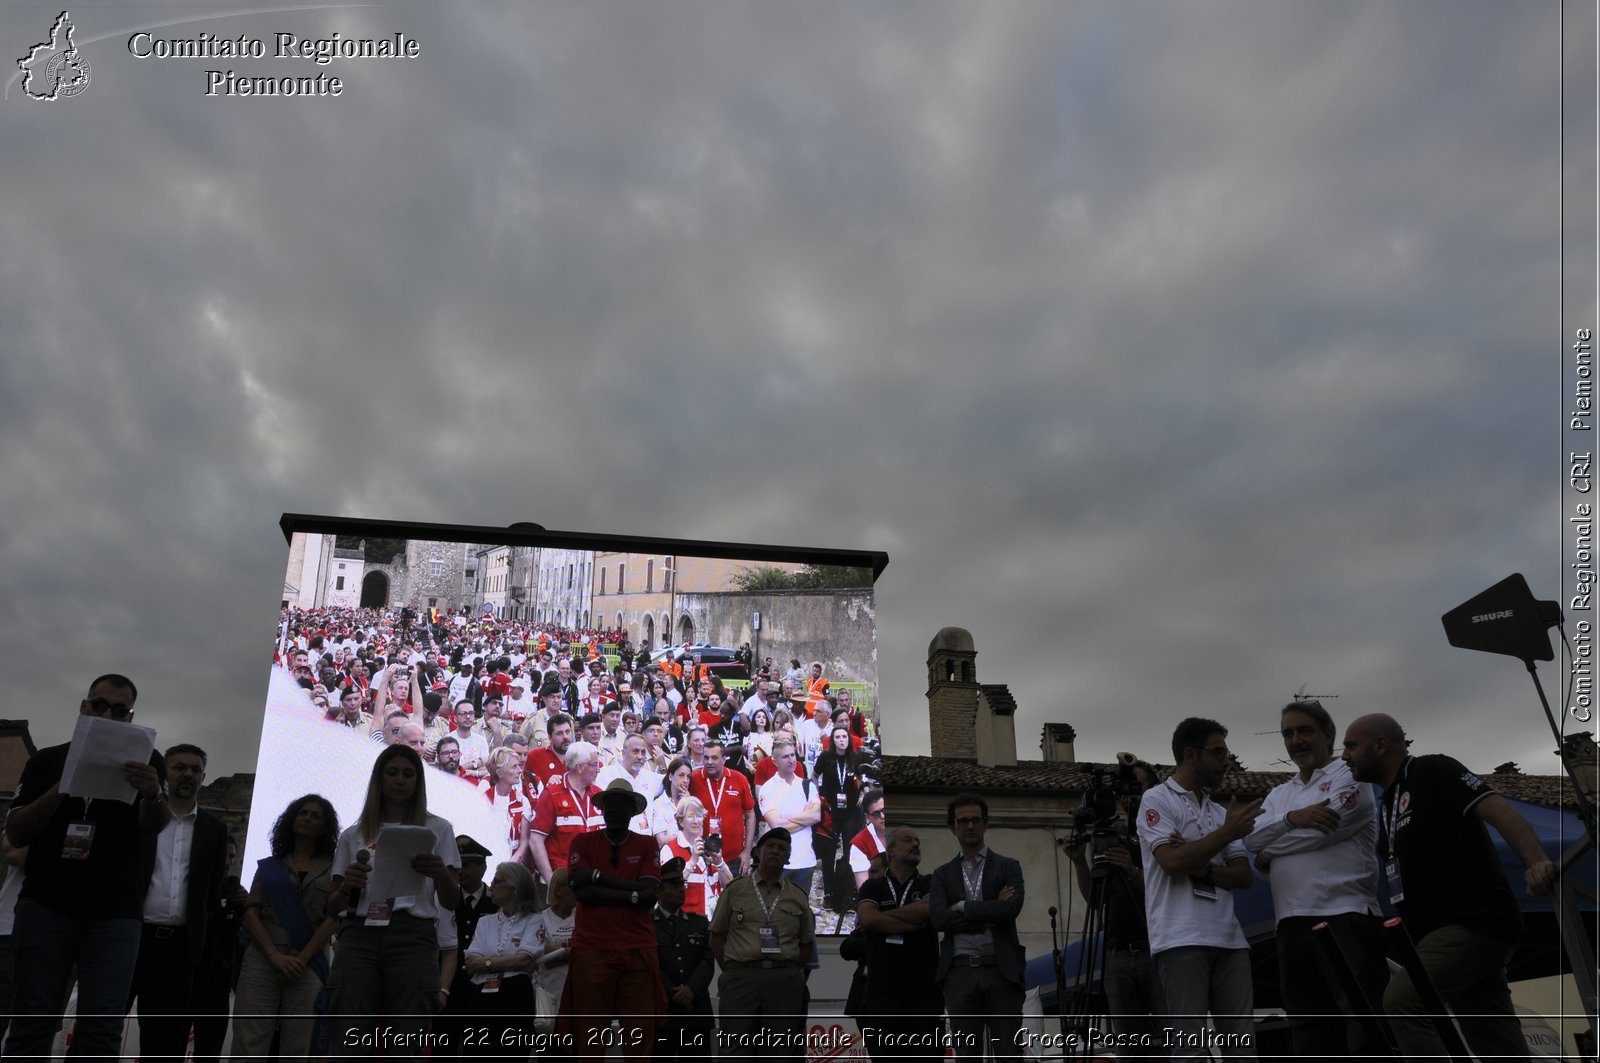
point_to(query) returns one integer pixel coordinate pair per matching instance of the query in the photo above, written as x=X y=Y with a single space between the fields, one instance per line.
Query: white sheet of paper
x=392 y=875
x=99 y=749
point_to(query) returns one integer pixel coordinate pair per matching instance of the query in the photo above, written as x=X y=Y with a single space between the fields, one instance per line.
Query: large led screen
x=494 y=659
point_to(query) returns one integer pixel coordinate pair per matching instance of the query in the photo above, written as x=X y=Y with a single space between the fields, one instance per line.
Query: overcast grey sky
x=1185 y=353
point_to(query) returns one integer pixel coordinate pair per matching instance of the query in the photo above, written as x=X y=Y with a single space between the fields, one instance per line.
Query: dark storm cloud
x=1183 y=354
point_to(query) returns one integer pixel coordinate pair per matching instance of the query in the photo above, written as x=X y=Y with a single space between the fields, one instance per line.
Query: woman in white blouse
x=555 y=938
x=504 y=952
x=760 y=736
x=504 y=790
x=663 y=811
x=387 y=960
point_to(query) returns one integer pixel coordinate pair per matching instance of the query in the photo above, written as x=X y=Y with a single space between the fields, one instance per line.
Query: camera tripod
x=1078 y=1020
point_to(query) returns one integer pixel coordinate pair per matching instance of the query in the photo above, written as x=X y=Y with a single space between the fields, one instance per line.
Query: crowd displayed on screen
x=505 y=703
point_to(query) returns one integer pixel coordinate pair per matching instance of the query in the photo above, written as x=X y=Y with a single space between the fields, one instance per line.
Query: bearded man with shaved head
x=1447 y=883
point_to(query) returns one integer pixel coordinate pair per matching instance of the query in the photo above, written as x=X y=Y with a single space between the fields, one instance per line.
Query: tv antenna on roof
x=1299 y=695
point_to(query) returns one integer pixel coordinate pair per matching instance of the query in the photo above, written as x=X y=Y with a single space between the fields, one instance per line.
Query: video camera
x=1095 y=821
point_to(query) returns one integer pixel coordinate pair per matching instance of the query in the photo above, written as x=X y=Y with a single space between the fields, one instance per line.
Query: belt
x=161 y=932
x=761 y=964
x=395 y=918
x=1128 y=948
x=974 y=961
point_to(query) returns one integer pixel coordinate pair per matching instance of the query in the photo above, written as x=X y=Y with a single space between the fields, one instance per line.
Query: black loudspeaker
x=1504 y=619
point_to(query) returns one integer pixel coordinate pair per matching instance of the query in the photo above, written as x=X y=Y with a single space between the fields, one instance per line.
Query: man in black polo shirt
x=904 y=1006
x=1132 y=986
x=1448 y=884
x=82 y=900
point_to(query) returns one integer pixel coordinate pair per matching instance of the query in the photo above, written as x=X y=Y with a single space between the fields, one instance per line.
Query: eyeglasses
x=114 y=709
x=1220 y=752
x=969 y=821
x=878 y=814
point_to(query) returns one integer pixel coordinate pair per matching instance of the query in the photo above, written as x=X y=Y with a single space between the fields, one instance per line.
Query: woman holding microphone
x=385 y=985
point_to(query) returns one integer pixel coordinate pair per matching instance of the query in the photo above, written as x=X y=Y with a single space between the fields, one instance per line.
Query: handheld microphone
x=364 y=858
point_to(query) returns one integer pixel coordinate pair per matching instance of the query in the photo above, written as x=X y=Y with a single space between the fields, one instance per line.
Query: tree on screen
x=809 y=577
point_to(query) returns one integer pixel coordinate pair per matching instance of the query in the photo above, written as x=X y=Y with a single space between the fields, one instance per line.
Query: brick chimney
x=996 y=728
x=1057 y=743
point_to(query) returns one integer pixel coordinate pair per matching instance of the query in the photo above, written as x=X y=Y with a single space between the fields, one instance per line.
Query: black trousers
x=1322 y=1018
x=904 y=1025
x=506 y=1015
x=210 y=1006
x=162 y=983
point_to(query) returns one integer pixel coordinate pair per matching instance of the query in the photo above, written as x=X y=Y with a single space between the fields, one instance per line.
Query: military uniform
x=683 y=946
x=462 y=1000
x=763 y=972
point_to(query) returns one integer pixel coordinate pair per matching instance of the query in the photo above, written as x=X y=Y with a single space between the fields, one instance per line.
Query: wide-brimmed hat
x=623 y=786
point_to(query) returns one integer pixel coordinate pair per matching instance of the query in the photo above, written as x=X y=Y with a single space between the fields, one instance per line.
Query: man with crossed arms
x=1317 y=842
x=974 y=900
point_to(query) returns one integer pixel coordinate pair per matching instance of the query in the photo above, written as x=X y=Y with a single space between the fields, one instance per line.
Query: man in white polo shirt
x=1193 y=859
x=633 y=765
x=1317 y=842
x=786 y=800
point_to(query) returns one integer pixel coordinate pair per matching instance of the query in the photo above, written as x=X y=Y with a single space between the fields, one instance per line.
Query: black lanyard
x=1391 y=802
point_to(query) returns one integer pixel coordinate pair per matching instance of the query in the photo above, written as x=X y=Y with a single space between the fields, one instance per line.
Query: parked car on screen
x=719 y=659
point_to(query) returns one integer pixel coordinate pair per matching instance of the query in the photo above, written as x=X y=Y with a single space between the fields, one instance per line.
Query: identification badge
x=1391 y=868
x=1201 y=890
x=769 y=941
x=79 y=837
x=379 y=912
x=714 y=825
x=492 y=985
x=895 y=939
x=841 y=801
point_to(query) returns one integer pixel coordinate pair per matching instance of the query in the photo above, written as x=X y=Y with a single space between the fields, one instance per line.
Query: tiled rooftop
x=953 y=773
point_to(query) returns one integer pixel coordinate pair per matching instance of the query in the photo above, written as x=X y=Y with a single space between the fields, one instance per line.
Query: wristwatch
x=633 y=898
